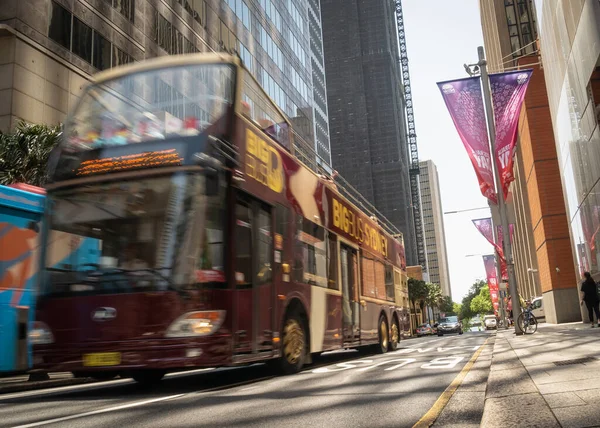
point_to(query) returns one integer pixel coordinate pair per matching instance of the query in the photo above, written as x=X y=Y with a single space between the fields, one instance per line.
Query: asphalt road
x=343 y=389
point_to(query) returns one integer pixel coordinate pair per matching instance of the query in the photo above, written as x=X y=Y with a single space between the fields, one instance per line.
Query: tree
x=24 y=153
x=417 y=292
x=456 y=308
x=465 y=311
x=434 y=296
x=447 y=306
x=482 y=303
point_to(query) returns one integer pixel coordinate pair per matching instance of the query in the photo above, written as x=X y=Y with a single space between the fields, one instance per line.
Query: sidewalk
x=548 y=379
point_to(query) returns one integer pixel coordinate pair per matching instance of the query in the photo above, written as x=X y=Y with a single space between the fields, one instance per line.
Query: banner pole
x=489 y=111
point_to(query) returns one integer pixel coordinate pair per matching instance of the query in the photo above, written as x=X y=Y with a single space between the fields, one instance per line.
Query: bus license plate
x=102 y=359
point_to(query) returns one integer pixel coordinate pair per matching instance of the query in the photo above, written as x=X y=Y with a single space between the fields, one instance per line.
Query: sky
x=441 y=36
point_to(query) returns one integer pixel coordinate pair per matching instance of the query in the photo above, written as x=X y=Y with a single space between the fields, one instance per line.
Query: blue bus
x=21 y=213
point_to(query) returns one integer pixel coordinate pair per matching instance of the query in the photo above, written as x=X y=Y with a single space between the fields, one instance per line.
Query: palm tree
x=417 y=292
x=24 y=153
x=434 y=296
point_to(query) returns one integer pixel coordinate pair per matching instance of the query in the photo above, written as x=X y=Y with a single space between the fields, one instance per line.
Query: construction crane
x=414 y=169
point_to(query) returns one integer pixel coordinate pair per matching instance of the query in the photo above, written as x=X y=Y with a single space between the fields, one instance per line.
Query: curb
x=30 y=386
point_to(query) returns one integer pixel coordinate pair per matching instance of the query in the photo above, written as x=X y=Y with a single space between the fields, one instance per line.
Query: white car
x=538 y=308
x=490 y=322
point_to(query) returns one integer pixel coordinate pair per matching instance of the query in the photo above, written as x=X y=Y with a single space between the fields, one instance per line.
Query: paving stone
x=563 y=399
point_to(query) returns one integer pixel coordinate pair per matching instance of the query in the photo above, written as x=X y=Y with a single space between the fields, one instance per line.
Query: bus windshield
x=147 y=234
x=150 y=105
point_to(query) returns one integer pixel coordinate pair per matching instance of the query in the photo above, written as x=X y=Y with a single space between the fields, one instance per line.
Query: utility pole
x=489 y=111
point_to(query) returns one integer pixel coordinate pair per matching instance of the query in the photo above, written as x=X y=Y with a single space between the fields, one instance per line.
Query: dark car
x=449 y=325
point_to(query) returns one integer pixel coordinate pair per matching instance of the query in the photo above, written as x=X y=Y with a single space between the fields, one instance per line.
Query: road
x=343 y=389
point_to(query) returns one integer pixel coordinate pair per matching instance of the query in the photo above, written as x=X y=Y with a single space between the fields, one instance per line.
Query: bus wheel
x=294 y=344
x=148 y=377
x=383 y=336
x=394 y=336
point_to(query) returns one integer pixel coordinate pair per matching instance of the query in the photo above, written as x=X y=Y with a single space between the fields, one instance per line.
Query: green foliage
x=24 y=153
x=456 y=308
x=434 y=295
x=482 y=303
x=448 y=306
x=465 y=310
x=417 y=290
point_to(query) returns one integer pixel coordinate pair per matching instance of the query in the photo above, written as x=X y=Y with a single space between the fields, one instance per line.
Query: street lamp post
x=489 y=111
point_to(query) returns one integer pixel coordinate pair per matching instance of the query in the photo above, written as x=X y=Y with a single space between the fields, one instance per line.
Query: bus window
x=389 y=283
x=311 y=253
x=265 y=246
x=368 y=276
x=332 y=262
x=379 y=280
x=243 y=245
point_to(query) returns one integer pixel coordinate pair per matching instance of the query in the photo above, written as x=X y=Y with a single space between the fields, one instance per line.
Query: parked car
x=538 y=308
x=424 y=330
x=490 y=322
x=449 y=325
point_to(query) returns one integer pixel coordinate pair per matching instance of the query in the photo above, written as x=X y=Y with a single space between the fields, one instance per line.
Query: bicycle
x=527 y=321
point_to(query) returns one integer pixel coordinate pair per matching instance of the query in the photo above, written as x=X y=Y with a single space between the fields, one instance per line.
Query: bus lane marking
x=100 y=411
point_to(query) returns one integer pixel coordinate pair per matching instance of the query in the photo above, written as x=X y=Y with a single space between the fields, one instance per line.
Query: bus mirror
x=205 y=161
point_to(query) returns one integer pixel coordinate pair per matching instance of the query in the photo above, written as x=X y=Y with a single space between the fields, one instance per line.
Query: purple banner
x=508 y=93
x=484 y=225
x=464 y=100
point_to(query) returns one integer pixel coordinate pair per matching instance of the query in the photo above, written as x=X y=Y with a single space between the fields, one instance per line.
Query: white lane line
x=98 y=412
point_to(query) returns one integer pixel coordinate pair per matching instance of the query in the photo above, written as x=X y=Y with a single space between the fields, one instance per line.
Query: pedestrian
x=590 y=297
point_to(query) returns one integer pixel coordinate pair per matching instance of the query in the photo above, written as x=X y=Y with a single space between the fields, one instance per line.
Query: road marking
x=430 y=417
x=98 y=412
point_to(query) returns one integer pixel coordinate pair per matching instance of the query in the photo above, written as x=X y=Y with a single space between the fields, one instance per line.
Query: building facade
x=366 y=107
x=433 y=226
x=541 y=246
x=570 y=45
x=50 y=48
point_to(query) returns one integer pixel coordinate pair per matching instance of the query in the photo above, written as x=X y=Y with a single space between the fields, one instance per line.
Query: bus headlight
x=200 y=323
x=40 y=334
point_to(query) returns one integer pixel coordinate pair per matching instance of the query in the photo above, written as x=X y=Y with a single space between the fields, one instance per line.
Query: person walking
x=590 y=297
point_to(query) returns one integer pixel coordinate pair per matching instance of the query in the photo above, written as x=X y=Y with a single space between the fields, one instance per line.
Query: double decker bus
x=217 y=245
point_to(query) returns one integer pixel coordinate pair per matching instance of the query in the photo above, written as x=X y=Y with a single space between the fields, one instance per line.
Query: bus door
x=350 y=300
x=253 y=241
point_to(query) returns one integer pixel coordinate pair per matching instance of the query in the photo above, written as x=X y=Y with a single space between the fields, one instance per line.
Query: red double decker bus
x=216 y=245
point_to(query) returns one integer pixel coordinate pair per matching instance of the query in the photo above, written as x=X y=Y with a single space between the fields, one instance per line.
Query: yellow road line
x=430 y=417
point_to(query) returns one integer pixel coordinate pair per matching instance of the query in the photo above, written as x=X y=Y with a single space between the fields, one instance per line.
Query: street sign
x=503 y=286
x=502 y=294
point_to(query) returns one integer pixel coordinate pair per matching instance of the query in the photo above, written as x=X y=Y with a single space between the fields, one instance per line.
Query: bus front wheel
x=294 y=344
x=148 y=377
x=394 y=335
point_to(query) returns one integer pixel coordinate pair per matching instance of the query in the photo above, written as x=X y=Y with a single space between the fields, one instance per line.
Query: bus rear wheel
x=384 y=338
x=394 y=335
x=294 y=344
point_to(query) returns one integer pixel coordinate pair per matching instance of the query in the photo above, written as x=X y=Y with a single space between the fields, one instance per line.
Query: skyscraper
x=433 y=225
x=366 y=107
x=51 y=48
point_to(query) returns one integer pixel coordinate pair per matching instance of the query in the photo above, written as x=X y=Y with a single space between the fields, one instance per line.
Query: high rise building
x=433 y=225
x=50 y=48
x=570 y=48
x=536 y=204
x=366 y=107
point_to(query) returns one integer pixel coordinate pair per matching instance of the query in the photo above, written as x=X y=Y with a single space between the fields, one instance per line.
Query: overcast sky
x=441 y=36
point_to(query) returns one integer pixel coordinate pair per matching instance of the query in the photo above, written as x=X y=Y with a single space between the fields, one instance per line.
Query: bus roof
x=21 y=200
x=166 y=61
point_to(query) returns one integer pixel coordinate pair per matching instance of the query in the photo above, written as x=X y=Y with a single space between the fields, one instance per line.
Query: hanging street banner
x=490 y=270
x=485 y=227
x=508 y=93
x=464 y=100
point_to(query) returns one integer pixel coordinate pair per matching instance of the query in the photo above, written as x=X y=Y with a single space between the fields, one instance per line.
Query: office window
x=125 y=8
x=102 y=52
x=120 y=57
x=241 y=10
x=247 y=58
x=60 y=25
x=164 y=33
x=199 y=11
x=82 y=40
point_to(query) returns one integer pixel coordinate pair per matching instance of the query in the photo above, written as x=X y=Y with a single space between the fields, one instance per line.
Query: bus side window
x=243 y=244
x=389 y=283
x=265 y=246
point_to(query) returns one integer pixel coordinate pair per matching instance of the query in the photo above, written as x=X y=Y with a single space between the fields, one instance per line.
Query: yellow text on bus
x=346 y=220
x=263 y=162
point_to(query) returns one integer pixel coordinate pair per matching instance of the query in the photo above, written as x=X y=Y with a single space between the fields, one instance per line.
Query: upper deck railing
x=307 y=155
